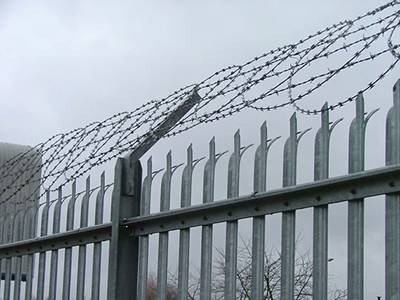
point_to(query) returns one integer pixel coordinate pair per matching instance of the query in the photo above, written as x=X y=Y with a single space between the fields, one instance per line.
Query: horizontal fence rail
x=77 y=237
x=345 y=188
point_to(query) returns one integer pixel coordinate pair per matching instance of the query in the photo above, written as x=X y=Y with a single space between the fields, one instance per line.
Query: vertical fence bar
x=144 y=240
x=42 y=255
x=68 y=251
x=184 y=235
x=355 y=252
x=289 y=218
x=184 y=239
x=29 y=231
x=232 y=226
x=123 y=256
x=80 y=288
x=320 y=222
x=162 y=270
x=96 y=271
x=54 y=253
x=392 y=205
x=8 y=238
x=258 y=239
x=18 y=235
x=207 y=230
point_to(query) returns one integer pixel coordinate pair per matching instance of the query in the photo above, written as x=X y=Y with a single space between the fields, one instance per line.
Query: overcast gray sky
x=67 y=63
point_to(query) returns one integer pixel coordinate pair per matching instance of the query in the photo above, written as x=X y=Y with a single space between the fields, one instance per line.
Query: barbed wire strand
x=66 y=157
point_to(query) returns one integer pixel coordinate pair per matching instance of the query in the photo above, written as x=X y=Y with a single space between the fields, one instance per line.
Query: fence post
x=124 y=249
x=123 y=257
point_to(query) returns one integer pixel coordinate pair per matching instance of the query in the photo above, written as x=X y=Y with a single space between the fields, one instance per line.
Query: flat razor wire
x=282 y=73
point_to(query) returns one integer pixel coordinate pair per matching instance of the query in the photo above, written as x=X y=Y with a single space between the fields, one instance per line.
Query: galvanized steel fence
x=67 y=259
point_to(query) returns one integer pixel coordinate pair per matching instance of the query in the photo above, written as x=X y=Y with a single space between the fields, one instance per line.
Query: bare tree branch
x=272 y=277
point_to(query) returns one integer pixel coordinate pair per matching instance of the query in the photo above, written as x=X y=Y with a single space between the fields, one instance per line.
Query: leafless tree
x=151 y=294
x=272 y=278
x=272 y=275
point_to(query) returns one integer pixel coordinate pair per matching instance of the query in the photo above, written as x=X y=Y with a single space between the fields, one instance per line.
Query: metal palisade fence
x=66 y=258
x=282 y=77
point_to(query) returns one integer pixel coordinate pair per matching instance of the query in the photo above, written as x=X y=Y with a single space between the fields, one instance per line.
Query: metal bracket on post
x=124 y=253
x=164 y=127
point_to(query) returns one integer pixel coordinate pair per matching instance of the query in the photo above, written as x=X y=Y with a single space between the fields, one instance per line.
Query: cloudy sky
x=67 y=63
